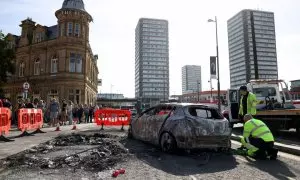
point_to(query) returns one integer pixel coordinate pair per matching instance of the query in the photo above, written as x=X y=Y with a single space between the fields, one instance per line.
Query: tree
x=7 y=61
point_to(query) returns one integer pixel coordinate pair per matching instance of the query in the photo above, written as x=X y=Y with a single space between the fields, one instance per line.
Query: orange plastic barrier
x=112 y=117
x=30 y=119
x=5 y=120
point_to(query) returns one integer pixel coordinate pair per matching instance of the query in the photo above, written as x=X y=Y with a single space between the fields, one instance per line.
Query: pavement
x=23 y=143
x=149 y=162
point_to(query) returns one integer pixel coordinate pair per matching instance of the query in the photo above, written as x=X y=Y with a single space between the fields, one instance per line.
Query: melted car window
x=204 y=113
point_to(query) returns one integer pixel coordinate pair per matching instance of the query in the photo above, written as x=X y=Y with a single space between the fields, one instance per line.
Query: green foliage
x=7 y=60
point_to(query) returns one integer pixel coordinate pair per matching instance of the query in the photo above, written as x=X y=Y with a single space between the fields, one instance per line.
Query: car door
x=156 y=122
x=233 y=97
x=139 y=125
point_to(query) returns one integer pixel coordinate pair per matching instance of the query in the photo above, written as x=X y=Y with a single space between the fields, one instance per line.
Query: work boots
x=273 y=154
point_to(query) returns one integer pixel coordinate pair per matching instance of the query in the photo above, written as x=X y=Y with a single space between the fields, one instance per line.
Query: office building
x=151 y=61
x=191 y=79
x=252 y=47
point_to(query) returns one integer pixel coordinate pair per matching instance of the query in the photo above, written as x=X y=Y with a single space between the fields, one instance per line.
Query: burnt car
x=183 y=126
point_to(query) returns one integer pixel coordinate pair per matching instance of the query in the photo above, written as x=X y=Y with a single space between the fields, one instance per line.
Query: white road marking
x=193 y=177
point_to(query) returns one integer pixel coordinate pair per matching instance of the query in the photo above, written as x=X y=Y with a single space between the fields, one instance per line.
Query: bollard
x=102 y=126
x=122 y=128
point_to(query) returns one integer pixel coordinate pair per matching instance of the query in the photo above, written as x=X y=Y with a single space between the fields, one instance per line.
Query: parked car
x=184 y=126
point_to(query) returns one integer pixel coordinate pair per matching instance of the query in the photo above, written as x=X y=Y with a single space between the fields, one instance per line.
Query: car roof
x=186 y=104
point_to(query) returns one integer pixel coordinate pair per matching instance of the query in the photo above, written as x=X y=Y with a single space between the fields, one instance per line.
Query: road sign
x=26 y=86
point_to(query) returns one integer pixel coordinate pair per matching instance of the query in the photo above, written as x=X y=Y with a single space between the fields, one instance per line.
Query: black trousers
x=265 y=148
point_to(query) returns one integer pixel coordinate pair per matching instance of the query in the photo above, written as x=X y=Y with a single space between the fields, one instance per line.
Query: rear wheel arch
x=174 y=142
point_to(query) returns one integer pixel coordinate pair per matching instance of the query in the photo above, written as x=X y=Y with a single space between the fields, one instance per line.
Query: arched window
x=77 y=30
x=70 y=28
x=54 y=64
x=21 y=69
x=37 y=67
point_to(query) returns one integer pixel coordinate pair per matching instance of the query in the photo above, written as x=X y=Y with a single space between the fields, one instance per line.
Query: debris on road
x=91 y=152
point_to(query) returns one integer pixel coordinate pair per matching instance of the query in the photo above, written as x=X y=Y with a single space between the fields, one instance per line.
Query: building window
x=10 y=45
x=37 y=67
x=75 y=63
x=54 y=64
x=70 y=29
x=72 y=62
x=39 y=37
x=62 y=29
x=21 y=69
x=77 y=30
x=79 y=63
x=74 y=95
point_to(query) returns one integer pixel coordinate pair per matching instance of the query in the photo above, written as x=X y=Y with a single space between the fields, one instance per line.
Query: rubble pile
x=100 y=152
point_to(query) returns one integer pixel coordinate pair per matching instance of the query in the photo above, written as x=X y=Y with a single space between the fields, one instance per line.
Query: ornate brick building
x=56 y=61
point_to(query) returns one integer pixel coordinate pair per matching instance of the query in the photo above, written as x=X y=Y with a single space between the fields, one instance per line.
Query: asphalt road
x=148 y=162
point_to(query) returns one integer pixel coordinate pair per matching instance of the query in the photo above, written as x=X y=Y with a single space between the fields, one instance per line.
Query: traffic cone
x=57 y=127
x=74 y=126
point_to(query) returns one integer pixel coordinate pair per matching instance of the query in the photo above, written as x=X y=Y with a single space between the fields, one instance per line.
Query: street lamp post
x=217 y=48
x=198 y=89
x=211 y=98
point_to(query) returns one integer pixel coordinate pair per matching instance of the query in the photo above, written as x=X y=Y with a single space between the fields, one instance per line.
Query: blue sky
x=192 y=39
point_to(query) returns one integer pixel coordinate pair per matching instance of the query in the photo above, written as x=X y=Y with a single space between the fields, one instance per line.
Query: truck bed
x=279 y=112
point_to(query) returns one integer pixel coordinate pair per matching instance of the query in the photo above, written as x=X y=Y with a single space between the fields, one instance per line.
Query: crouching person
x=258 y=139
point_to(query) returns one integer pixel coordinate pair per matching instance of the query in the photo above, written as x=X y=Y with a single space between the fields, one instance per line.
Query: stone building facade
x=56 y=61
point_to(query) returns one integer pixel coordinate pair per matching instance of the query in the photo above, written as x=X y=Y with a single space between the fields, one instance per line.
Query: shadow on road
x=277 y=169
x=182 y=163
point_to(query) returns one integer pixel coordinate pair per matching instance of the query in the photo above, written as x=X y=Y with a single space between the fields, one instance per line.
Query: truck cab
x=270 y=95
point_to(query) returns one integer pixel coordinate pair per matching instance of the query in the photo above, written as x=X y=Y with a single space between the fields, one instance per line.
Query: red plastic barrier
x=5 y=120
x=30 y=119
x=112 y=117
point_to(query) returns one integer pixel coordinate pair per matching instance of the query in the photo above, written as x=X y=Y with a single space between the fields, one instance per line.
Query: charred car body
x=184 y=126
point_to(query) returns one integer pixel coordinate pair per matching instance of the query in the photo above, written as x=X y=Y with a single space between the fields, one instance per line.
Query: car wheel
x=167 y=142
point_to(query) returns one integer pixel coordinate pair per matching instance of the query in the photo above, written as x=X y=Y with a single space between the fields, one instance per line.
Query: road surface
x=145 y=161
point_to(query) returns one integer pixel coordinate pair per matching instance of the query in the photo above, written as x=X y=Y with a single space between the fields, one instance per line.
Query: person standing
x=70 y=112
x=91 y=113
x=86 y=113
x=54 y=109
x=63 y=113
x=258 y=139
x=28 y=104
x=247 y=103
x=80 y=113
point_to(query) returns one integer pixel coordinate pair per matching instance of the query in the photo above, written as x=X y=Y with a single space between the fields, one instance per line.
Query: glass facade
x=191 y=79
x=252 y=47
x=152 y=61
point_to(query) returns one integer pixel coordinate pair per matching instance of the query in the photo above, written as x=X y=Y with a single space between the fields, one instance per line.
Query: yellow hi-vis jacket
x=257 y=129
x=251 y=104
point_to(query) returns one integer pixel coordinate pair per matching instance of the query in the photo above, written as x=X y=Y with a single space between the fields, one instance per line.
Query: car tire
x=167 y=143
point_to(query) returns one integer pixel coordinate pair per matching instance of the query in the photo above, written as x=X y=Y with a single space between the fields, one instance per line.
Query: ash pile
x=92 y=152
